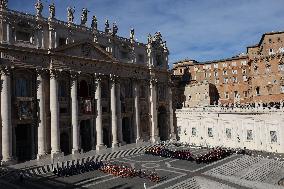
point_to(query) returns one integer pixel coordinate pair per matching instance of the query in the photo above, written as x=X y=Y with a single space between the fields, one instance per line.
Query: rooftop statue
x=132 y=33
x=38 y=7
x=84 y=16
x=70 y=14
x=114 y=29
x=52 y=10
x=149 y=38
x=4 y=4
x=107 y=26
x=94 y=24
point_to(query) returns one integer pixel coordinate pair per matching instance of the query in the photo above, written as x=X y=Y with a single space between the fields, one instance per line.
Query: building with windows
x=68 y=87
x=254 y=77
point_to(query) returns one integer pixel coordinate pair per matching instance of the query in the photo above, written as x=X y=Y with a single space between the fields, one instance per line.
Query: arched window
x=23 y=87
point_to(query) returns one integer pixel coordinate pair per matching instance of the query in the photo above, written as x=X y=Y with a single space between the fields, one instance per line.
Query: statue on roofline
x=132 y=33
x=149 y=38
x=84 y=16
x=38 y=7
x=114 y=29
x=52 y=10
x=107 y=26
x=70 y=14
x=94 y=24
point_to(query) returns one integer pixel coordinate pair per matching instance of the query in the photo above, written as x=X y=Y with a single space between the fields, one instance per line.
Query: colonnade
x=6 y=146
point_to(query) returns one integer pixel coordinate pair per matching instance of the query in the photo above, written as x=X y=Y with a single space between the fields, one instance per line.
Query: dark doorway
x=83 y=89
x=86 y=135
x=65 y=143
x=162 y=123
x=24 y=140
x=126 y=132
x=106 y=138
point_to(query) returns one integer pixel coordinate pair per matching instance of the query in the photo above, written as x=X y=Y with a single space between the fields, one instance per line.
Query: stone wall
x=254 y=129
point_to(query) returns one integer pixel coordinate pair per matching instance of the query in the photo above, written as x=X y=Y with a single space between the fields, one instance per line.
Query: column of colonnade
x=7 y=155
x=113 y=108
x=153 y=110
x=74 y=113
x=137 y=112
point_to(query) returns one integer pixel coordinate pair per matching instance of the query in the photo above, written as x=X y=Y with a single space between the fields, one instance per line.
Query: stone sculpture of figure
x=70 y=14
x=114 y=29
x=84 y=16
x=106 y=26
x=132 y=33
x=149 y=38
x=94 y=24
x=4 y=4
x=52 y=10
x=38 y=7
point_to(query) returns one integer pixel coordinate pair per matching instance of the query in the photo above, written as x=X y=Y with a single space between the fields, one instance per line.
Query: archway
x=24 y=143
x=106 y=138
x=65 y=143
x=86 y=135
x=126 y=130
x=162 y=123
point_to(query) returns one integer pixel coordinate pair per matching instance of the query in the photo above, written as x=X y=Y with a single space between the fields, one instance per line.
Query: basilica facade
x=68 y=88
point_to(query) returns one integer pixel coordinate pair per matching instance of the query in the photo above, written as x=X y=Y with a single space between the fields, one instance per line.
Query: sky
x=194 y=29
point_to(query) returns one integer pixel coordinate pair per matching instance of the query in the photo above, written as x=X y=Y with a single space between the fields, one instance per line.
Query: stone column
x=171 y=121
x=153 y=111
x=54 y=115
x=41 y=129
x=137 y=112
x=99 y=125
x=7 y=156
x=113 y=111
x=74 y=113
x=119 y=120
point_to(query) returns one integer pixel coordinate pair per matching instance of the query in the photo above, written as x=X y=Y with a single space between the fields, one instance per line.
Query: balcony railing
x=86 y=105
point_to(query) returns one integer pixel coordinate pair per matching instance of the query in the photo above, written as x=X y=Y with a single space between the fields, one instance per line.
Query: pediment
x=85 y=50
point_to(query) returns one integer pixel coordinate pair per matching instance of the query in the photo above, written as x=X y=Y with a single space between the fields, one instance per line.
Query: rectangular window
x=245 y=78
x=282 y=89
x=23 y=36
x=225 y=72
x=244 y=62
x=234 y=64
x=217 y=81
x=281 y=67
x=268 y=69
x=234 y=71
x=245 y=94
x=273 y=136
x=234 y=79
x=226 y=95
x=225 y=80
x=210 y=132
x=270 y=52
x=244 y=71
x=224 y=65
x=193 y=131
x=216 y=74
x=249 y=135
x=228 y=133
x=215 y=65
x=236 y=95
x=281 y=49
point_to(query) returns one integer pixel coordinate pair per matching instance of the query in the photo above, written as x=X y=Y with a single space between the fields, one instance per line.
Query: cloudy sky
x=196 y=29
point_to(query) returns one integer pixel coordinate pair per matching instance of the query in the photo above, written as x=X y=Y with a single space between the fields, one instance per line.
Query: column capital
x=54 y=74
x=74 y=75
x=113 y=78
x=153 y=81
x=5 y=70
x=98 y=77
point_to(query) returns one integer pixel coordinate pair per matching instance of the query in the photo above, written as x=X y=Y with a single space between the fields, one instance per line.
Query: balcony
x=86 y=105
x=25 y=108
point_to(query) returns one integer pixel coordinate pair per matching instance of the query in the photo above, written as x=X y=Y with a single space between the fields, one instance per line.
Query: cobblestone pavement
x=236 y=171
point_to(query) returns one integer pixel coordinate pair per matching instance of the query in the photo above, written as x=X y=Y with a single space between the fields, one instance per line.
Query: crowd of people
x=213 y=155
x=76 y=169
x=117 y=170
x=125 y=171
x=162 y=151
